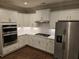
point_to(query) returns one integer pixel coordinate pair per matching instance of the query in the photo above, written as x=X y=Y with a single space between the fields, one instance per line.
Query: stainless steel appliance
x=67 y=40
x=8 y=33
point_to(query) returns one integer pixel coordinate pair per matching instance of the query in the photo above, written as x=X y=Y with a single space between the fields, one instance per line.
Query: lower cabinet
x=50 y=46
x=22 y=41
x=39 y=42
x=10 y=48
x=42 y=43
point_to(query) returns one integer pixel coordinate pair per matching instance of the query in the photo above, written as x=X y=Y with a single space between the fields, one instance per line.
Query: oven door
x=9 y=34
x=10 y=39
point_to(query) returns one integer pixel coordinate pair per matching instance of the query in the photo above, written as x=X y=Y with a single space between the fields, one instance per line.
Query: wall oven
x=9 y=33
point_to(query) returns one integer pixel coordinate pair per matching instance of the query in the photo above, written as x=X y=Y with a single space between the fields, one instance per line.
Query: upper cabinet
x=43 y=15
x=19 y=20
x=7 y=15
x=24 y=20
x=32 y=20
x=71 y=14
x=27 y=20
x=13 y=16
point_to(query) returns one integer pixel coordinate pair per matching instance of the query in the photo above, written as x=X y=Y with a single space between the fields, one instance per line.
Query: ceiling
x=31 y=6
x=31 y=3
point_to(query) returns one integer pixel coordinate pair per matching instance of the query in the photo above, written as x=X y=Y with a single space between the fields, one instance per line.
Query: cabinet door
x=20 y=20
x=13 y=16
x=10 y=48
x=30 y=40
x=50 y=46
x=43 y=14
x=21 y=41
x=37 y=42
x=27 y=38
x=42 y=43
x=57 y=15
x=33 y=20
x=7 y=15
x=27 y=20
x=38 y=13
x=4 y=15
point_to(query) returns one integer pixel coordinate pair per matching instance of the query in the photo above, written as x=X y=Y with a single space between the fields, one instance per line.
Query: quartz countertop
x=31 y=31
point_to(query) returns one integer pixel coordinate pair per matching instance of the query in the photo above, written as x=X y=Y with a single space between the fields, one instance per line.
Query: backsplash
x=34 y=30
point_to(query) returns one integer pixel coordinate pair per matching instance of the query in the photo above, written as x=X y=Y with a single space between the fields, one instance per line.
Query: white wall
x=71 y=14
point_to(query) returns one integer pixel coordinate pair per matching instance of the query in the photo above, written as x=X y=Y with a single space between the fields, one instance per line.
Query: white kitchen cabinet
x=20 y=22
x=50 y=46
x=22 y=41
x=30 y=40
x=36 y=42
x=46 y=44
x=43 y=15
x=13 y=16
x=4 y=15
x=10 y=48
x=27 y=38
x=24 y=20
x=42 y=43
x=27 y=20
x=33 y=20
x=7 y=15
x=70 y=14
x=57 y=15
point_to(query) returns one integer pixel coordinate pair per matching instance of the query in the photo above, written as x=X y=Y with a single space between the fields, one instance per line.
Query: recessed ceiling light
x=25 y=3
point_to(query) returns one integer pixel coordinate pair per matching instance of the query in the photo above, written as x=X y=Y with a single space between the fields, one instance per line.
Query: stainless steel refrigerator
x=67 y=40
